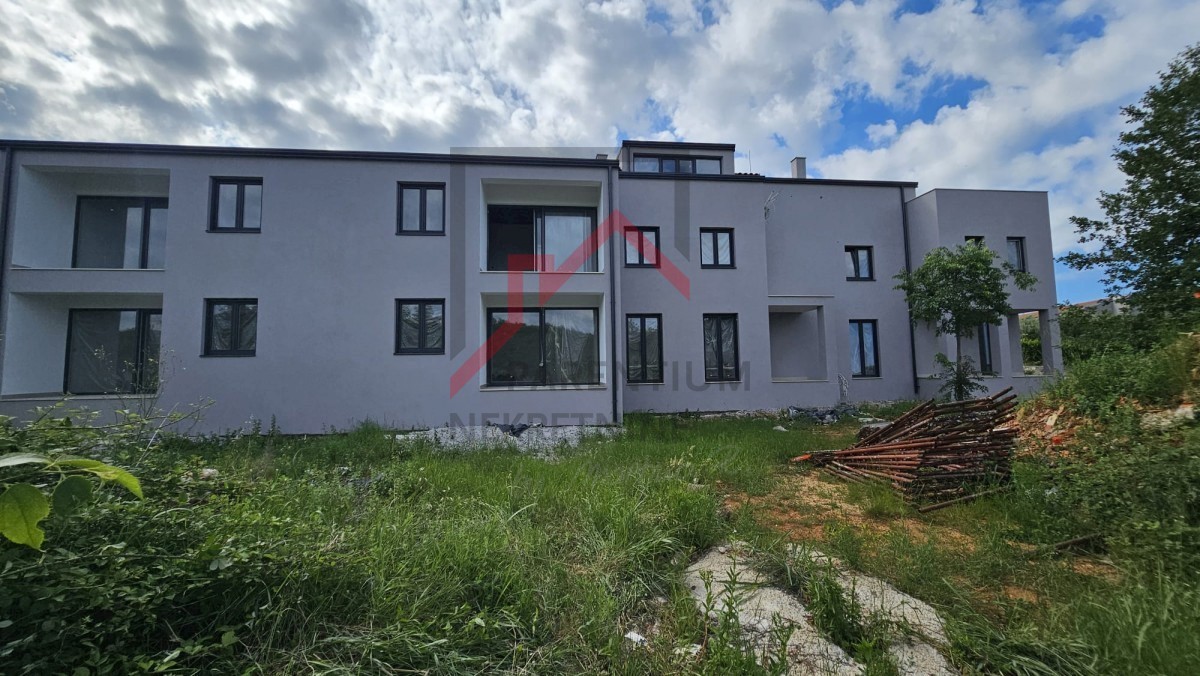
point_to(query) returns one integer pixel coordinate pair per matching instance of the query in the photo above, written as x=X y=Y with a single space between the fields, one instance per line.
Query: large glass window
x=716 y=248
x=720 y=348
x=235 y=205
x=641 y=247
x=120 y=232
x=420 y=326
x=864 y=348
x=231 y=327
x=113 y=351
x=421 y=209
x=676 y=164
x=643 y=349
x=552 y=346
x=541 y=238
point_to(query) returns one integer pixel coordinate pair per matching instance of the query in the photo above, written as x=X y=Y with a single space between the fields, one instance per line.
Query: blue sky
x=1004 y=94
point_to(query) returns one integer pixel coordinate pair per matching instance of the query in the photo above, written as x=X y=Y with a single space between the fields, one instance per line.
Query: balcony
x=85 y=218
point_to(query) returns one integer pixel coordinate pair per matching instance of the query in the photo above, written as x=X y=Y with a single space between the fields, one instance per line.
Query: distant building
x=320 y=288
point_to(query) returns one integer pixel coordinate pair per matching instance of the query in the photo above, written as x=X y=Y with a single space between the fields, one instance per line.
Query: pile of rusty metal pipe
x=936 y=450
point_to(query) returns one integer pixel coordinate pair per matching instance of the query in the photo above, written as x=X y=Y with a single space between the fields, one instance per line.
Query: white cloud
x=881 y=133
x=428 y=75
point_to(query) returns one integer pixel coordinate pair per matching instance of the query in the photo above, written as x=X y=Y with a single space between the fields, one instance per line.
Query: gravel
x=539 y=440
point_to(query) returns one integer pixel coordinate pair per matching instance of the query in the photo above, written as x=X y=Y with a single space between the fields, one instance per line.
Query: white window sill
x=540 y=272
x=535 y=388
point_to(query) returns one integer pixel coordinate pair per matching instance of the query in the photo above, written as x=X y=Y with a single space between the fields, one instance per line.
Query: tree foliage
x=956 y=291
x=1149 y=246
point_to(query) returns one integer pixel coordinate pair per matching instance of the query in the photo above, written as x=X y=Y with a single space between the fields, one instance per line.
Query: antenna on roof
x=749 y=162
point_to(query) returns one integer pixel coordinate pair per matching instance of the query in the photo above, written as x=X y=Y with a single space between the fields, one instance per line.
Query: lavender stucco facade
x=351 y=311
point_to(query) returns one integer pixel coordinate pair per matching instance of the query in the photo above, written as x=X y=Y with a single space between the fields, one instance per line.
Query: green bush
x=1086 y=333
x=1160 y=377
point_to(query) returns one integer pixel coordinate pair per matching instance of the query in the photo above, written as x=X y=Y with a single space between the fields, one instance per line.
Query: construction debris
x=934 y=451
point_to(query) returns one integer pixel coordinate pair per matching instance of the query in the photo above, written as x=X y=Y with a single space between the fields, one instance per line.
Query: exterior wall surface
x=328 y=266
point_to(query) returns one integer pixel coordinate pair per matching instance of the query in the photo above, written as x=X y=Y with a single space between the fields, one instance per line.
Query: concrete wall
x=327 y=268
x=789 y=244
x=945 y=218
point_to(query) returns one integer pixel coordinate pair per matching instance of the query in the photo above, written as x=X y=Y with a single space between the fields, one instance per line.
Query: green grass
x=349 y=554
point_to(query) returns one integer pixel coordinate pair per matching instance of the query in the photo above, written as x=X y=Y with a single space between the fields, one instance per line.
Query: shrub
x=1160 y=377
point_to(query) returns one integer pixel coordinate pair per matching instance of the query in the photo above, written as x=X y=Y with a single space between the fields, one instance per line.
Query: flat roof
x=754 y=178
x=303 y=154
x=681 y=145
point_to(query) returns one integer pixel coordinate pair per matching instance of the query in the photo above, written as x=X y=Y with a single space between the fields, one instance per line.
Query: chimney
x=799 y=169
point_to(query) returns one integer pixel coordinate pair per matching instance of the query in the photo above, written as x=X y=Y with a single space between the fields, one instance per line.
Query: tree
x=957 y=291
x=1149 y=248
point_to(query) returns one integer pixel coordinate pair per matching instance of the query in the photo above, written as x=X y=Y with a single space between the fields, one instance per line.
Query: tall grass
x=349 y=553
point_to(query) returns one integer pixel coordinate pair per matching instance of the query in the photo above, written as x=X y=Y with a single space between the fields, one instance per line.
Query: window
x=864 y=348
x=641 y=247
x=643 y=349
x=860 y=265
x=421 y=209
x=974 y=239
x=720 y=348
x=1016 y=253
x=120 y=232
x=420 y=326
x=986 y=366
x=235 y=205
x=540 y=239
x=112 y=351
x=676 y=164
x=548 y=346
x=230 y=327
x=716 y=248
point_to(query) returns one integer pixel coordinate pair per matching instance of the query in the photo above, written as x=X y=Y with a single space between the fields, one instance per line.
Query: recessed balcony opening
x=797 y=338
x=541 y=227
x=82 y=344
x=90 y=217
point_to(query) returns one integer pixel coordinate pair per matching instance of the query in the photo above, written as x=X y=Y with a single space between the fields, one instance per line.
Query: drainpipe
x=5 y=204
x=912 y=333
x=612 y=303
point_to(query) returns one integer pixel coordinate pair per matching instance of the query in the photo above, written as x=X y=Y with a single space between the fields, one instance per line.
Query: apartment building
x=322 y=288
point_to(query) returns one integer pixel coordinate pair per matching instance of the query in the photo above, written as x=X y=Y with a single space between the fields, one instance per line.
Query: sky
x=1003 y=94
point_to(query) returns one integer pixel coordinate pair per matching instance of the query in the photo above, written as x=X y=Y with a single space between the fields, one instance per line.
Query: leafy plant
x=957 y=291
x=24 y=505
x=960 y=379
x=1148 y=247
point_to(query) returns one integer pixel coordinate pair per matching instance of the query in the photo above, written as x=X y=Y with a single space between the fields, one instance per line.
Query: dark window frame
x=539 y=237
x=717 y=318
x=143 y=321
x=421 y=348
x=987 y=360
x=541 y=381
x=144 y=252
x=858 y=276
x=401 y=186
x=643 y=379
x=862 y=349
x=214 y=200
x=716 y=264
x=677 y=158
x=643 y=230
x=235 y=334
x=1023 y=265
